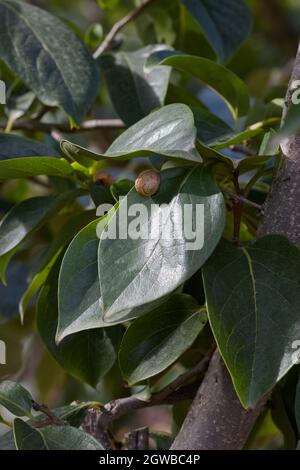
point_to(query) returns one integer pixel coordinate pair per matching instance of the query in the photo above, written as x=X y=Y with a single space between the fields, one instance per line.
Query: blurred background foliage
x=264 y=62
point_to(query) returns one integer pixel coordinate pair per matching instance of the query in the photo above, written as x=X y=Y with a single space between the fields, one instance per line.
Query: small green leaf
x=225 y=24
x=65 y=235
x=222 y=80
x=156 y=340
x=14 y=146
x=52 y=438
x=121 y=188
x=31 y=46
x=150 y=267
x=29 y=215
x=15 y=398
x=253 y=302
x=27 y=438
x=170 y=132
x=26 y=167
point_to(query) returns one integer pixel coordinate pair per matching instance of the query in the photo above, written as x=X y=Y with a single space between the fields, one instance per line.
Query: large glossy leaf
x=170 y=131
x=87 y=355
x=153 y=342
x=14 y=146
x=15 y=398
x=48 y=57
x=134 y=92
x=222 y=80
x=52 y=438
x=79 y=286
x=253 y=302
x=148 y=268
x=225 y=24
x=28 y=215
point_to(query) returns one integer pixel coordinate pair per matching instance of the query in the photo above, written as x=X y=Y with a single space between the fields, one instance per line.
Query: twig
x=243 y=149
x=120 y=25
x=239 y=197
x=173 y=393
x=52 y=419
x=91 y=125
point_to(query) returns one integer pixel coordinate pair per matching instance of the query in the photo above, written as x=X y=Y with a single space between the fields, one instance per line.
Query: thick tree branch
x=119 y=26
x=91 y=125
x=216 y=419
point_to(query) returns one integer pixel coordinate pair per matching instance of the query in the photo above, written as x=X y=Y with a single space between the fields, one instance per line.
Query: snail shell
x=147 y=183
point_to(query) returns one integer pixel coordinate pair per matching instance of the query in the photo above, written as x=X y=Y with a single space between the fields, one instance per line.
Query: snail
x=147 y=183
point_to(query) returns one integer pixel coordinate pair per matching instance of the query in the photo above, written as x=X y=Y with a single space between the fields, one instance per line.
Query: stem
x=119 y=26
x=87 y=126
x=173 y=393
x=239 y=197
x=52 y=419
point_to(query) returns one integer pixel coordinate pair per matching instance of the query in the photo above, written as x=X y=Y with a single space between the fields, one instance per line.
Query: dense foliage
x=188 y=89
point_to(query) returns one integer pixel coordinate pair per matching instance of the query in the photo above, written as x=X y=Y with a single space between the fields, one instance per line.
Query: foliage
x=176 y=86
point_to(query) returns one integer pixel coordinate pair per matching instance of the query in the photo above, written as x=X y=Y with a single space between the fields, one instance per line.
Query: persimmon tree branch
x=105 y=45
x=216 y=419
x=34 y=125
x=177 y=391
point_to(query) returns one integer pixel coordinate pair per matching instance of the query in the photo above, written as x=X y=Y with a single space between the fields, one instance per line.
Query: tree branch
x=173 y=393
x=216 y=419
x=119 y=26
x=239 y=197
x=91 y=125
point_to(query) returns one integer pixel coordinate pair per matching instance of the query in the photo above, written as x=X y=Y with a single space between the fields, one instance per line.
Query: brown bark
x=216 y=420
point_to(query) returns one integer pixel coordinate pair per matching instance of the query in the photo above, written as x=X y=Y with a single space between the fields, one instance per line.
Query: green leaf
x=225 y=24
x=170 y=132
x=121 y=188
x=79 y=293
x=155 y=341
x=209 y=127
x=7 y=441
x=52 y=438
x=233 y=138
x=65 y=235
x=253 y=302
x=152 y=266
x=29 y=215
x=134 y=92
x=70 y=438
x=34 y=166
x=14 y=146
x=222 y=80
x=31 y=46
x=27 y=438
x=15 y=398
x=87 y=355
